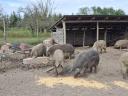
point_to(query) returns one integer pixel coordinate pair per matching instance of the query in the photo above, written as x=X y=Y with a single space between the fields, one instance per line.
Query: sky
x=66 y=7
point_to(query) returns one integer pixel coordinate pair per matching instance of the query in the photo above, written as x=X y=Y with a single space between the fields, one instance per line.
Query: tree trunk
x=4 y=30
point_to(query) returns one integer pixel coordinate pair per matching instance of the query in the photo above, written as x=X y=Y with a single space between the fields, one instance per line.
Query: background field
x=15 y=35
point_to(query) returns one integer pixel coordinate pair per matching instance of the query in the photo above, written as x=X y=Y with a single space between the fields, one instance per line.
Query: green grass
x=32 y=41
x=15 y=35
x=22 y=32
x=19 y=32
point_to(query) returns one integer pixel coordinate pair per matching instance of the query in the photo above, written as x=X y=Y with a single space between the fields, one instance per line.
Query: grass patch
x=22 y=32
x=32 y=41
x=15 y=35
x=19 y=32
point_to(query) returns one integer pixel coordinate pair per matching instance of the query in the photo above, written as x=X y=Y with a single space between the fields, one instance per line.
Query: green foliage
x=100 y=11
x=84 y=11
x=120 y=12
x=14 y=19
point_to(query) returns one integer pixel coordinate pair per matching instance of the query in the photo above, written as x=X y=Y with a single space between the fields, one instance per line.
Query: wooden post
x=64 y=31
x=84 y=38
x=105 y=35
x=74 y=38
x=97 y=36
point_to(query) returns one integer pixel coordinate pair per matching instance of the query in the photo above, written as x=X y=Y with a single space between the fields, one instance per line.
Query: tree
x=1 y=11
x=39 y=16
x=14 y=19
x=84 y=11
x=119 y=12
x=96 y=10
x=1 y=18
x=100 y=11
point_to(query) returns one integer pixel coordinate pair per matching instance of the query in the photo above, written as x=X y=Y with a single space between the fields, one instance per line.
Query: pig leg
x=97 y=49
x=104 y=50
x=56 y=70
x=56 y=65
x=95 y=68
x=127 y=72
x=120 y=48
x=77 y=72
x=69 y=56
x=124 y=72
x=85 y=70
x=91 y=69
x=101 y=50
x=124 y=75
x=61 y=66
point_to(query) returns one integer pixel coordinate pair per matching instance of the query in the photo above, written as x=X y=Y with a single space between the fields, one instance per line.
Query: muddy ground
x=107 y=82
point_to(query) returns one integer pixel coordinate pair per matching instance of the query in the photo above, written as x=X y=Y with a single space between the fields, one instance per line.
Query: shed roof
x=89 y=18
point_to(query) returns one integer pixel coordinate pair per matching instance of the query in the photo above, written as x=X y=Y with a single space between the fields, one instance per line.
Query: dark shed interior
x=84 y=30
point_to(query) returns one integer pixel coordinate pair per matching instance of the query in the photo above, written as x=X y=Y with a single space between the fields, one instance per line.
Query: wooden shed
x=84 y=30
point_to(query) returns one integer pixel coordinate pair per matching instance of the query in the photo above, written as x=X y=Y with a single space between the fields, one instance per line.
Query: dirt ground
x=107 y=82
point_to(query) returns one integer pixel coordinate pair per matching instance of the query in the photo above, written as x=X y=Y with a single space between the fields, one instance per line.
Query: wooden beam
x=102 y=21
x=64 y=32
x=82 y=27
x=97 y=32
x=106 y=18
x=79 y=18
x=74 y=38
x=105 y=35
x=84 y=39
x=93 y=18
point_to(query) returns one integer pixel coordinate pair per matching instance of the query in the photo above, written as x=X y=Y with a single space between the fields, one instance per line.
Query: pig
x=68 y=49
x=100 y=45
x=86 y=61
x=58 y=57
x=38 y=50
